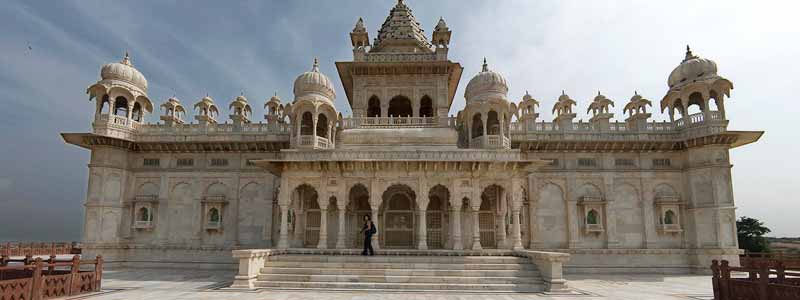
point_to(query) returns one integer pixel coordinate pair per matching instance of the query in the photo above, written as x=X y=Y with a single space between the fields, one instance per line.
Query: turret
x=637 y=112
x=275 y=111
x=207 y=111
x=563 y=112
x=173 y=112
x=487 y=115
x=312 y=113
x=240 y=110
x=121 y=99
x=441 y=39
x=695 y=82
x=359 y=37
x=601 y=113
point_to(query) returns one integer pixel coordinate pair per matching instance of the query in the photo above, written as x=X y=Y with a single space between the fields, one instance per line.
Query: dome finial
x=127 y=59
x=598 y=92
x=635 y=92
x=315 y=68
x=485 y=66
x=563 y=93
x=689 y=54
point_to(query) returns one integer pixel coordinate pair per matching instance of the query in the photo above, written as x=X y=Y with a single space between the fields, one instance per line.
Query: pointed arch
x=426 y=107
x=374 y=106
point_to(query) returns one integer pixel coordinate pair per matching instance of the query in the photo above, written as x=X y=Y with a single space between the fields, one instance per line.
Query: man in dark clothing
x=368 y=230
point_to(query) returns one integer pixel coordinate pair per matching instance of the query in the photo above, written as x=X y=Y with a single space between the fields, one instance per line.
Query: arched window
x=400 y=106
x=426 y=107
x=104 y=105
x=213 y=215
x=374 y=107
x=669 y=218
x=144 y=214
x=121 y=106
x=322 y=126
x=307 y=124
x=137 y=112
x=493 y=123
x=591 y=217
x=477 y=126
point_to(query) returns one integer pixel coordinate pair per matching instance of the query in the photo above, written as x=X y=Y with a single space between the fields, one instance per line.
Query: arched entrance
x=357 y=208
x=398 y=228
x=437 y=217
x=487 y=216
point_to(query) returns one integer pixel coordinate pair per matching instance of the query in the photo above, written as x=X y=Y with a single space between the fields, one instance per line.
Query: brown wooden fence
x=37 y=249
x=45 y=279
x=765 y=279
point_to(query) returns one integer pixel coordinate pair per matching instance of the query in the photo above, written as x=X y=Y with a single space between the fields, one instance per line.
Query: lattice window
x=434 y=227
x=662 y=162
x=151 y=162
x=624 y=162
x=219 y=162
x=313 y=221
x=185 y=162
x=486 y=223
x=587 y=162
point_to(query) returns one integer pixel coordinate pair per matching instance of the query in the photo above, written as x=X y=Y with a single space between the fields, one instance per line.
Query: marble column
x=375 y=241
x=476 y=229
x=341 y=235
x=283 y=240
x=323 y=228
x=422 y=243
x=455 y=212
x=516 y=233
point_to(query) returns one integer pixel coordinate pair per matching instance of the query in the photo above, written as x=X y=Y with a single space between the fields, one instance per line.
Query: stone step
x=402 y=259
x=483 y=287
x=400 y=265
x=530 y=272
x=399 y=279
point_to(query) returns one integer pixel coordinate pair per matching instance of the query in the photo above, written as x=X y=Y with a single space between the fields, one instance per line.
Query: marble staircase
x=405 y=273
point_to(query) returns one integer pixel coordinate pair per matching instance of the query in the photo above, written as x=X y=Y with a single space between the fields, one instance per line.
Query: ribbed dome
x=692 y=68
x=486 y=82
x=124 y=71
x=314 y=82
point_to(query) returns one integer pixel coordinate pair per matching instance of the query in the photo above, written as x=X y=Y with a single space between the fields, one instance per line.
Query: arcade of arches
x=408 y=216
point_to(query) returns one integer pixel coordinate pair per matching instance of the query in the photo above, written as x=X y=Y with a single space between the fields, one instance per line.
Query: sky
x=50 y=51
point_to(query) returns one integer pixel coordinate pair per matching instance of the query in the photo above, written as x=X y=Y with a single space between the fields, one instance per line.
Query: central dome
x=486 y=83
x=124 y=71
x=314 y=82
x=691 y=69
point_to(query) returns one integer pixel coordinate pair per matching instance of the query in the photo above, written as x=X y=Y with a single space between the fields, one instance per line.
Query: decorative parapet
x=250 y=262
x=550 y=265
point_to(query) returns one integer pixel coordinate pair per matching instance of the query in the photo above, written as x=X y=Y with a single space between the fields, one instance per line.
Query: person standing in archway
x=368 y=230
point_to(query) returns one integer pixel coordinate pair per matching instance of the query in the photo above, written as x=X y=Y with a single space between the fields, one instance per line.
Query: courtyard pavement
x=131 y=284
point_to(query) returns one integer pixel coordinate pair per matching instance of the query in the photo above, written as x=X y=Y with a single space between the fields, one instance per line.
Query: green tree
x=750 y=233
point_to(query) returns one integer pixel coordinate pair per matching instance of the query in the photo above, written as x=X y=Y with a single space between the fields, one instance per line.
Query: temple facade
x=618 y=195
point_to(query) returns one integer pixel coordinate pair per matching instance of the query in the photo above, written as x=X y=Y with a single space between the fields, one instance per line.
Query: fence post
x=74 y=276
x=781 y=269
x=98 y=273
x=715 y=278
x=28 y=259
x=723 y=283
x=763 y=280
x=37 y=286
x=52 y=266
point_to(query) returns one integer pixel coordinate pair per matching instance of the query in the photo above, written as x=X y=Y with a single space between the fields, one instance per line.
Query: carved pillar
x=500 y=219
x=422 y=242
x=455 y=211
x=283 y=240
x=516 y=233
x=572 y=225
x=323 y=224
x=476 y=229
x=341 y=204
x=485 y=131
x=314 y=127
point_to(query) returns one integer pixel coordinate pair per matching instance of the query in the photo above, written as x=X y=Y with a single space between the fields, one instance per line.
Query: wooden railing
x=36 y=249
x=42 y=279
x=759 y=284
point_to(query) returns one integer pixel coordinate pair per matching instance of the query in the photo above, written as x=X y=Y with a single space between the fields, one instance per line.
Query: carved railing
x=48 y=279
x=765 y=281
x=36 y=249
x=313 y=142
x=397 y=122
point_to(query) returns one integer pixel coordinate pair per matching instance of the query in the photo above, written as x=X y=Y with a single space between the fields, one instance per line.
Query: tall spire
x=485 y=66
x=402 y=32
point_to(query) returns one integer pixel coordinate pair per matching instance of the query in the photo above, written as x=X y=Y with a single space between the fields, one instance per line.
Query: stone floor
x=133 y=284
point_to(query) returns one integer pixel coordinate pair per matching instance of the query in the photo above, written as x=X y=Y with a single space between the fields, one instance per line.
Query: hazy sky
x=190 y=48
